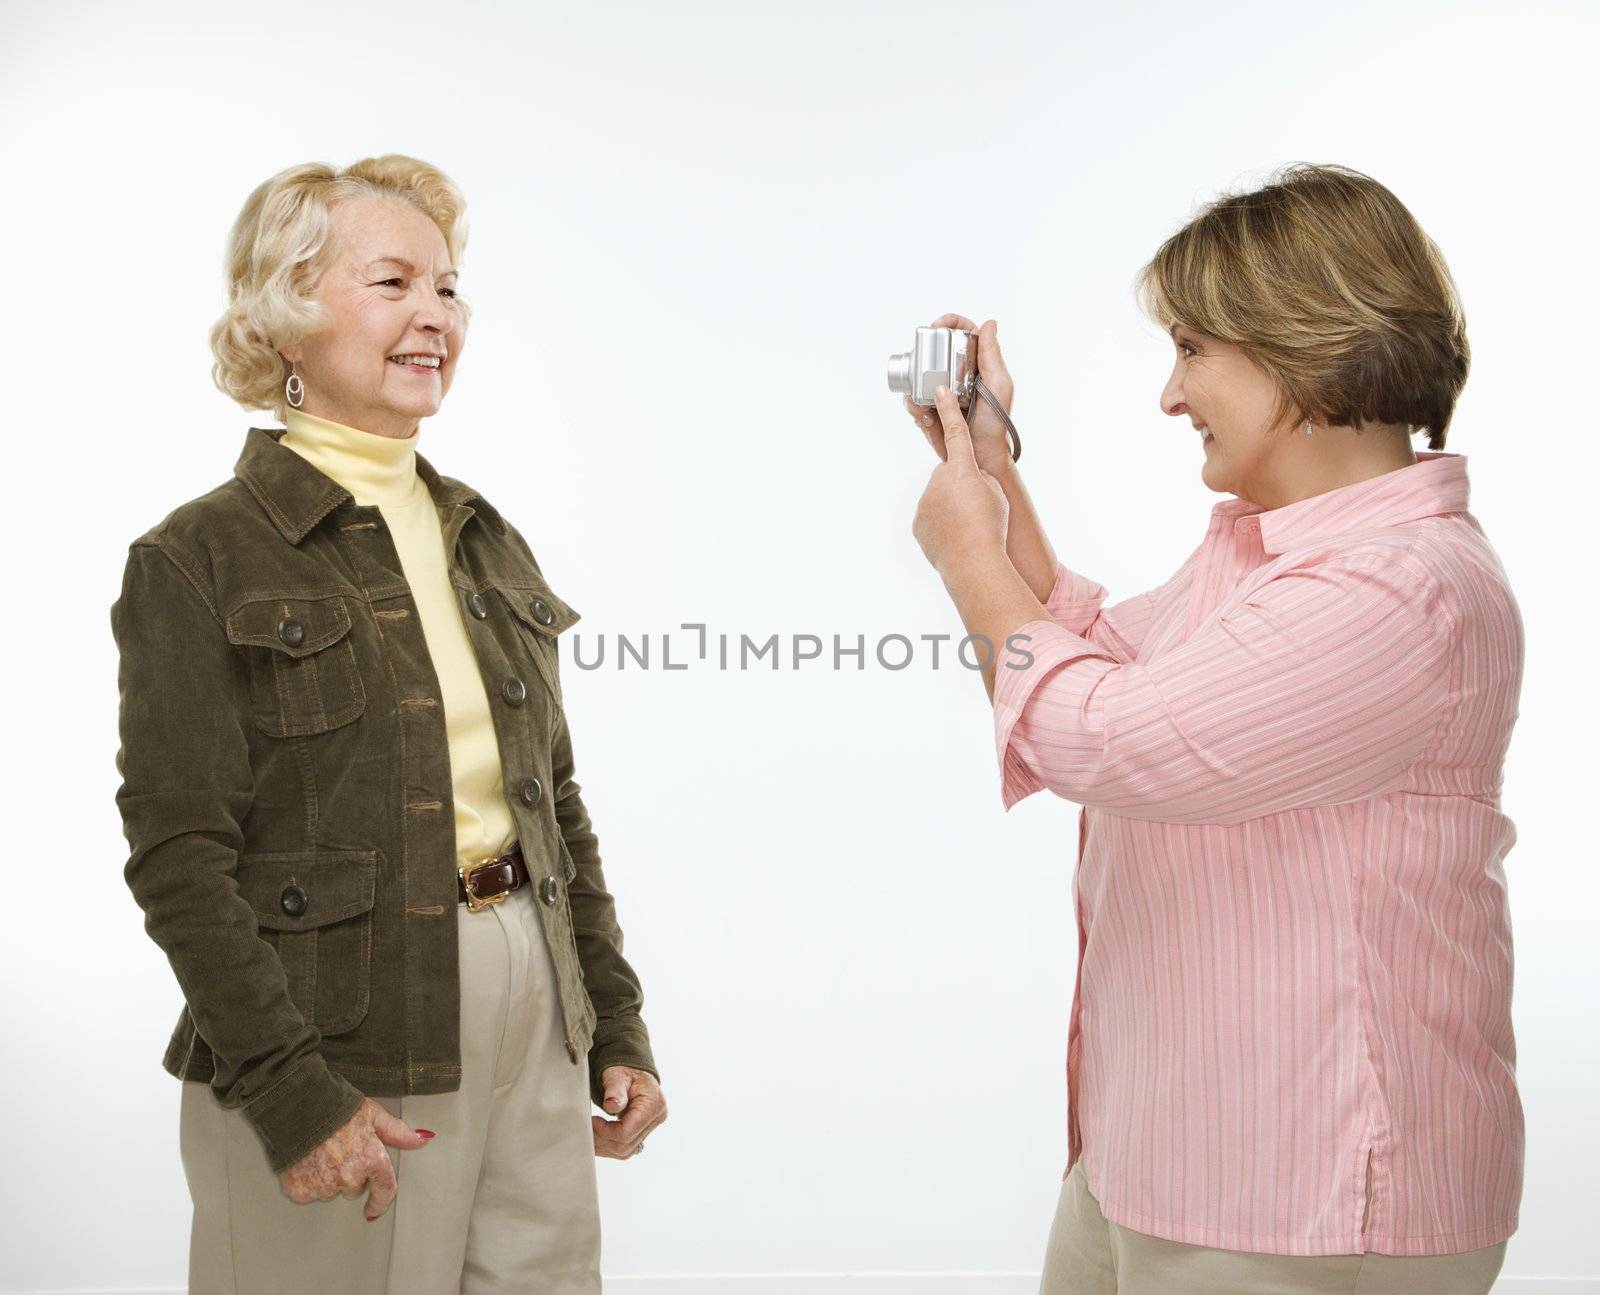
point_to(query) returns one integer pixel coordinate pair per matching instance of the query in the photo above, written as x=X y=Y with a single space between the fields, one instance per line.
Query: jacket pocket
x=303 y=675
x=315 y=909
x=541 y=616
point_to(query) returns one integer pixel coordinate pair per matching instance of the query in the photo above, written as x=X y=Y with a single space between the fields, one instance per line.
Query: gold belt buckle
x=475 y=902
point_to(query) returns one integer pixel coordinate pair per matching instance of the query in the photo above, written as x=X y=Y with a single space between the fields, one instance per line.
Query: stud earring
x=294 y=390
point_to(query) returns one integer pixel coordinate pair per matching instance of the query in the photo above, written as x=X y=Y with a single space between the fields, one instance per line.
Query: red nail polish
x=425 y=1133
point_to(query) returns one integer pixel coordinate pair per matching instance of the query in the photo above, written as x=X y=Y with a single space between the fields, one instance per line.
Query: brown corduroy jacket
x=286 y=794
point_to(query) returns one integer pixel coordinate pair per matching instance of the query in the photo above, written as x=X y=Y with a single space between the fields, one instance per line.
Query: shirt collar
x=297 y=495
x=1435 y=483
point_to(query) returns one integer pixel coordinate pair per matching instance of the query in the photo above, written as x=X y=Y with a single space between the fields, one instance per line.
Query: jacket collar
x=1435 y=483
x=297 y=495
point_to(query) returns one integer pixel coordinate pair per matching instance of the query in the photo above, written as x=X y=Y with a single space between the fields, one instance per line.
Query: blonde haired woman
x=348 y=785
x=1290 y=1061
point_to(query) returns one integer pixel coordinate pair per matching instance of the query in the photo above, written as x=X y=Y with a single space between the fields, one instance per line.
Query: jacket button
x=529 y=790
x=514 y=691
x=291 y=631
x=542 y=612
x=292 y=901
x=550 y=890
x=479 y=608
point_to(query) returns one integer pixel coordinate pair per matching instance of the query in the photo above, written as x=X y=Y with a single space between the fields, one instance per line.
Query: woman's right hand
x=352 y=1157
x=990 y=445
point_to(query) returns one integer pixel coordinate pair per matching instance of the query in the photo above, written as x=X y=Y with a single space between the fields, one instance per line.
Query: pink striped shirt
x=1294 y=948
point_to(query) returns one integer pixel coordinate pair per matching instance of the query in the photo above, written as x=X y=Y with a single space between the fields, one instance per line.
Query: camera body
x=938 y=356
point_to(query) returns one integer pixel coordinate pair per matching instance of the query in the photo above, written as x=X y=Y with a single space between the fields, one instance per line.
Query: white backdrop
x=697 y=233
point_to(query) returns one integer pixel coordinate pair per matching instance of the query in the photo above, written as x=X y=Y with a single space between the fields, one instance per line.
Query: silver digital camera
x=939 y=356
x=947 y=357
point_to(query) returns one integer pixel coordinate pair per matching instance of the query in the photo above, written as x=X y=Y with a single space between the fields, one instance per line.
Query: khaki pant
x=503 y=1199
x=1089 y=1255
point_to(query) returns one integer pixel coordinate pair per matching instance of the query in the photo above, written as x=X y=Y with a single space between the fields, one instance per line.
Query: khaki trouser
x=503 y=1199
x=1089 y=1255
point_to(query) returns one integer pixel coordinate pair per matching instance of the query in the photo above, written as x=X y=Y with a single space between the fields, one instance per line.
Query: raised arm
x=1323 y=686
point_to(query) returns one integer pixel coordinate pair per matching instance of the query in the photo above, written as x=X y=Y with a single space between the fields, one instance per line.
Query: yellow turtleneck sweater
x=383 y=471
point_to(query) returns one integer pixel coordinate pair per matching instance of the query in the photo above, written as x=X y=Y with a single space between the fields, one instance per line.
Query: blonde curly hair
x=280 y=246
x=1332 y=288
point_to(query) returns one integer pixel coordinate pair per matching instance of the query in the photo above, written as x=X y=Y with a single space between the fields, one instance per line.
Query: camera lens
x=900 y=373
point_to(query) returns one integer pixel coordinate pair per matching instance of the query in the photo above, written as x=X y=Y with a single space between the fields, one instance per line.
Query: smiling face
x=1227 y=395
x=1222 y=391
x=390 y=290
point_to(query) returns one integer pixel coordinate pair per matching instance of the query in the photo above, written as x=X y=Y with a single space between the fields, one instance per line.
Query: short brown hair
x=278 y=249
x=1331 y=287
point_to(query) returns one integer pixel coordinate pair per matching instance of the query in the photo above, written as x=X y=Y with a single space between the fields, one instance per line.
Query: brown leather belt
x=491 y=881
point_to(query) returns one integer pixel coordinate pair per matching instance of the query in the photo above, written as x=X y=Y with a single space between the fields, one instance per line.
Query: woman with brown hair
x=348 y=785
x=1290 y=1061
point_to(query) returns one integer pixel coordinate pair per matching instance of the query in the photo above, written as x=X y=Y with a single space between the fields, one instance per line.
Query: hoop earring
x=294 y=389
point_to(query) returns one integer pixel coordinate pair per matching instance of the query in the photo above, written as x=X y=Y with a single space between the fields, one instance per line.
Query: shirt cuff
x=1049 y=646
x=1074 y=600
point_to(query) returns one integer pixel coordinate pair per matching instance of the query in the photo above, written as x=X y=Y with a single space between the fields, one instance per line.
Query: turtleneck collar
x=375 y=469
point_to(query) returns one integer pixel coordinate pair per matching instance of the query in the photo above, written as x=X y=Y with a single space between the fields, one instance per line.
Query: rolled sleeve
x=1017 y=683
x=1074 y=600
x=1324 y=685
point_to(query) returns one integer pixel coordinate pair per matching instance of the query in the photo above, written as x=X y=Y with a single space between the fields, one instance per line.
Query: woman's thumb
x=395 y=1132
x=989 y=345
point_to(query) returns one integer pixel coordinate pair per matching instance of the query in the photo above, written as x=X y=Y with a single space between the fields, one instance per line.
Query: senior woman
x=349 y=789
x=1290 y=1061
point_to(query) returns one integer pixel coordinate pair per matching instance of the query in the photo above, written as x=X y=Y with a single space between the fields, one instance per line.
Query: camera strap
x=1011 y=428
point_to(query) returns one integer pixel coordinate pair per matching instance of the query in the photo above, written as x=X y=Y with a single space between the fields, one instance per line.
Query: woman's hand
x=634 y=1096
x=352 y=1158
x=963 y=510
x=990 y=444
